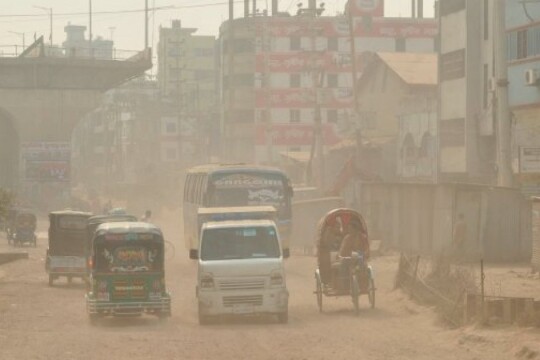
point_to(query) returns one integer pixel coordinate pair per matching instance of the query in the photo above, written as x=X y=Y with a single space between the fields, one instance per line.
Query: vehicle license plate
x=243 y=309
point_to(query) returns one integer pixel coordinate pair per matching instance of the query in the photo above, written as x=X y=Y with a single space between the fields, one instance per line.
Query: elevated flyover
x=44 y=92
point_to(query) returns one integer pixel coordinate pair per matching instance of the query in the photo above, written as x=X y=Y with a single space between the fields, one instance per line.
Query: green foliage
x=6 y=201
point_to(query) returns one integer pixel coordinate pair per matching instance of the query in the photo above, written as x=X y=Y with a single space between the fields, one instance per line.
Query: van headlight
x=276 y=278
x=206 y=281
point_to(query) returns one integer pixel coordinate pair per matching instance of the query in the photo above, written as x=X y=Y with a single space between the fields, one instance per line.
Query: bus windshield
x=239 y=243
x=250 y=190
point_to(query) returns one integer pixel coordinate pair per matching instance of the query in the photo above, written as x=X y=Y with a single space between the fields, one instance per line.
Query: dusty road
x=39 y=322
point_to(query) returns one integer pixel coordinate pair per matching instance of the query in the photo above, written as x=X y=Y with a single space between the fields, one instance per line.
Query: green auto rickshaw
x=126 y=271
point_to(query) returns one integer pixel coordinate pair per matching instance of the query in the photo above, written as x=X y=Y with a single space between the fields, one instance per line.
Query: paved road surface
x=40 y=322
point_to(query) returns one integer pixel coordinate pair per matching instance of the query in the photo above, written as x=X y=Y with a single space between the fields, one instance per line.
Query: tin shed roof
x=412 y=68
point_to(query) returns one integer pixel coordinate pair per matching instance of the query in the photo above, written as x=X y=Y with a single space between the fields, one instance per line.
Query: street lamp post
x=50 y=11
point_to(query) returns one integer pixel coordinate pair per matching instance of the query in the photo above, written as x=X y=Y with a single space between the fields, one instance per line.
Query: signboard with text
x=529 y=160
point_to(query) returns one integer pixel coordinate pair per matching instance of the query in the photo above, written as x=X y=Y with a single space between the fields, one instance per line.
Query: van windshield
x=239 y=243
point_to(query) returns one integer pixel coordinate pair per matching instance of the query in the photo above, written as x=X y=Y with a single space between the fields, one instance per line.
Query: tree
x=6 y=201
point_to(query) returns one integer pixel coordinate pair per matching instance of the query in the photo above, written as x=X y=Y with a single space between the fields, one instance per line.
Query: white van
x=240 y=270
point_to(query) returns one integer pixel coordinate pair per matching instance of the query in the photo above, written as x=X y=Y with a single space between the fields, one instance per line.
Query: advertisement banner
x=46 y=161
x=301 y=62
x=293 y=135
x=46 y=150
x=529 y=160
x=304 y=98
x=367 y=7
x=47 y=171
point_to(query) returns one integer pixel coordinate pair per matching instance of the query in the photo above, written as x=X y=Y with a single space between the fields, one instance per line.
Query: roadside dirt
x=40 y=322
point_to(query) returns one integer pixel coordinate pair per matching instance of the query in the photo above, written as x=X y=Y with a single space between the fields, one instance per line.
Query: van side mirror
x=286 y=253
x=194 y=254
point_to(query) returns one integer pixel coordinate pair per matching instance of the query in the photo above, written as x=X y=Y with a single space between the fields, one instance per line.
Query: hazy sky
x=127 y=28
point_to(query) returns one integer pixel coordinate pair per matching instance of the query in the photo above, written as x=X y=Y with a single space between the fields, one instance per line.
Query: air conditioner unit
x=531 y=77
x=492 y=84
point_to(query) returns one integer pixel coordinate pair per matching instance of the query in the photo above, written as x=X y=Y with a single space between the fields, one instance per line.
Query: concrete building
x=187 y=68
x=398 y=110
x=523 y=31
x=466 y=120
x=76 y=44
x=268 y=86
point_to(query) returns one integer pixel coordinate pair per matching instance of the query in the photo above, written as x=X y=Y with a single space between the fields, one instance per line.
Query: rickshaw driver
x=355 y=240
x=330 y=240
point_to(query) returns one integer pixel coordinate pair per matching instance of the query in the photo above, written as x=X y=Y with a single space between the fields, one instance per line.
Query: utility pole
x=90 y=28
x=312 y=12
x=504 y=159
x=354 y=64
x=145 y=24
x=50 y=11
x=230 y=76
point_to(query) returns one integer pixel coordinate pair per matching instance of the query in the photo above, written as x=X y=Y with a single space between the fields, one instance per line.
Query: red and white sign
x=293 y=135
x=294 y=62
x=304 y=98
x=367 y=7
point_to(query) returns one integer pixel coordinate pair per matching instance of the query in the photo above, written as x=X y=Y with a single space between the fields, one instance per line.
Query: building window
x=400 y=45
x=332 y=116
x=333 y=44
x=295 y=43
x=522 y=44
x=332 y=80
x=295 y=81
x=295 y=115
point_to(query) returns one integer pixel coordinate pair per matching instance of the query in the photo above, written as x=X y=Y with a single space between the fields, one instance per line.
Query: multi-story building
x=187 y=67
x=187 y=81
x=76 y=45
x=523 y=36
x=282 y=70
x=466 y=120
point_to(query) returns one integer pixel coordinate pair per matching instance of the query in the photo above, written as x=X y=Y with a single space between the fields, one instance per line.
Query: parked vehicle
x=240 y=268
x=24 y=231
x=236 y=185
x=66 y=254
x=337 y=275
x=127 y=273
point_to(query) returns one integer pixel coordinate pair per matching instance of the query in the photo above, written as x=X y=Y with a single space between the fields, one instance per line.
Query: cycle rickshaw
x=337 y=275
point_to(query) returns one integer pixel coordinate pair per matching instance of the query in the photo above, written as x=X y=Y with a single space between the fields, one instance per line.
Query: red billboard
x=299 y=98
x=293 y=135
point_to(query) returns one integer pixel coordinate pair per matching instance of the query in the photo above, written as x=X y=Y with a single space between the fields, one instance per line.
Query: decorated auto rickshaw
x=66 y=254
x=127 y=272
x=343 y=253
x=24 y=231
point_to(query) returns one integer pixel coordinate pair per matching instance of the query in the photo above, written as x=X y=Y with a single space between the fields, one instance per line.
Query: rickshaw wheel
x=371 y=293
x=319 y=292
x=355 y=293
